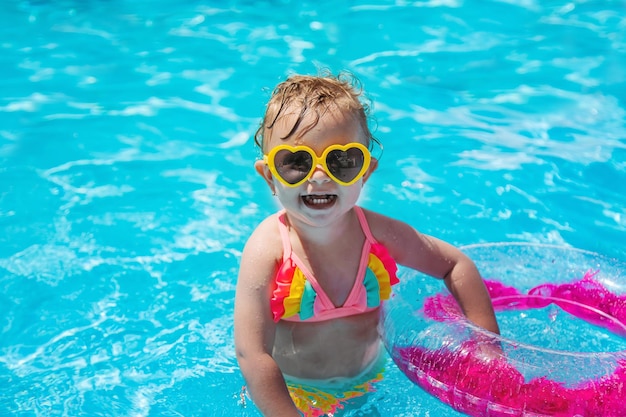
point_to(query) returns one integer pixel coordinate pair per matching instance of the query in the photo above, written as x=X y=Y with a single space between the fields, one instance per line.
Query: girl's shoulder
x=388 y=230
x=270 y=223
x=265 y=241
x=261 y=255
x=380 y=224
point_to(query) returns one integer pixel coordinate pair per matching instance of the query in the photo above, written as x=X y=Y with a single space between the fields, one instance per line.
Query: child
x=313 y=276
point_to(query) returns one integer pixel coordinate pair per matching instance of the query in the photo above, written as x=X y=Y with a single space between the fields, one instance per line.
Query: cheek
x=283 y=191
x=353 y=191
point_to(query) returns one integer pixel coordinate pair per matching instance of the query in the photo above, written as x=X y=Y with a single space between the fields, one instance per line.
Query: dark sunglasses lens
x=345 y=165
x=293 y=167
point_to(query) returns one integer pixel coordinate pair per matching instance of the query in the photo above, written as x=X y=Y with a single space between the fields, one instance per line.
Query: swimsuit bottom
x=324 y=398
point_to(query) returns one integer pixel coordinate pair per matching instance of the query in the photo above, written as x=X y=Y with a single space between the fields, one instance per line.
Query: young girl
x=313 y=276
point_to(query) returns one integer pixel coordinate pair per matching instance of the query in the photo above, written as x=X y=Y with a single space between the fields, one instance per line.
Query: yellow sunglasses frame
x=318 y=160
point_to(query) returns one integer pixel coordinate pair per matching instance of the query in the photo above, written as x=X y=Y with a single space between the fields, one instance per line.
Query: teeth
x=319 y=199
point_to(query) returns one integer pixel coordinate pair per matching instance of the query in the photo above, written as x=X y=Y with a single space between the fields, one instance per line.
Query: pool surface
x=127 y=188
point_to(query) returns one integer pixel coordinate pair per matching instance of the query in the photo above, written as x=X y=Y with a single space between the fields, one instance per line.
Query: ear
x=370 y=170
x=264 y=171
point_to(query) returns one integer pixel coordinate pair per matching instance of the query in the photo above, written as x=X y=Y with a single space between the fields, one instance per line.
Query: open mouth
x=319 y=200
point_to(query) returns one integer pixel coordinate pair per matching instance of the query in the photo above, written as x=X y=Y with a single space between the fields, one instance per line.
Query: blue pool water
x=127 y=189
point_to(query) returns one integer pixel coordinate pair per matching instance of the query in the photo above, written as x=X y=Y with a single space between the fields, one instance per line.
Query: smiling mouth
x=319 y=201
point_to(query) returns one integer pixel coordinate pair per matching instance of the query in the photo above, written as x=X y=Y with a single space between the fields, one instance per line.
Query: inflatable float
x=562 y=352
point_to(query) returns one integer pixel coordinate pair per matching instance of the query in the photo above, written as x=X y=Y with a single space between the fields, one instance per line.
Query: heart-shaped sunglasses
x=293 y=165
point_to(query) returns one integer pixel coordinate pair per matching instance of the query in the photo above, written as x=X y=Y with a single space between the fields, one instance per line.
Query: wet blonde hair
x=315 y=95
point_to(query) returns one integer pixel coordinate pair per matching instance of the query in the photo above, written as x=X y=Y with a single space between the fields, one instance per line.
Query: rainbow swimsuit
x=297 y=296
x=322 y=400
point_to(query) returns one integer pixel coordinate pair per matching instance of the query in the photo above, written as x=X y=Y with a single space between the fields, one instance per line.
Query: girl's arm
x=441 y=260
x=255 y=329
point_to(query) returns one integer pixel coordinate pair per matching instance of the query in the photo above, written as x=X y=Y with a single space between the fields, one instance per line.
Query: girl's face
x=319 y=200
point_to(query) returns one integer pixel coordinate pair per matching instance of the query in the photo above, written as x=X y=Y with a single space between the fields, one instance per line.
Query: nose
x=319 y=175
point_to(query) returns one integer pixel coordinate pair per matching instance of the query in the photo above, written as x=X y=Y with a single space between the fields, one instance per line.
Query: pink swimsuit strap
x=297 y=296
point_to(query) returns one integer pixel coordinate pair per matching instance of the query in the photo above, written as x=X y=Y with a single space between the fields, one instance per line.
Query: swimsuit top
x=297 y=296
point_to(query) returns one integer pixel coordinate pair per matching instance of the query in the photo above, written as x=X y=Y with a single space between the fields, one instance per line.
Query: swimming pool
x=127 y=188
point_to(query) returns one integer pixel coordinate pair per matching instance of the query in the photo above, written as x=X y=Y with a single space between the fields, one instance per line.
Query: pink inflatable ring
x=562 y=352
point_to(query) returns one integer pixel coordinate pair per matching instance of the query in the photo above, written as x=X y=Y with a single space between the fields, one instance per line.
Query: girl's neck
x=328 y=234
